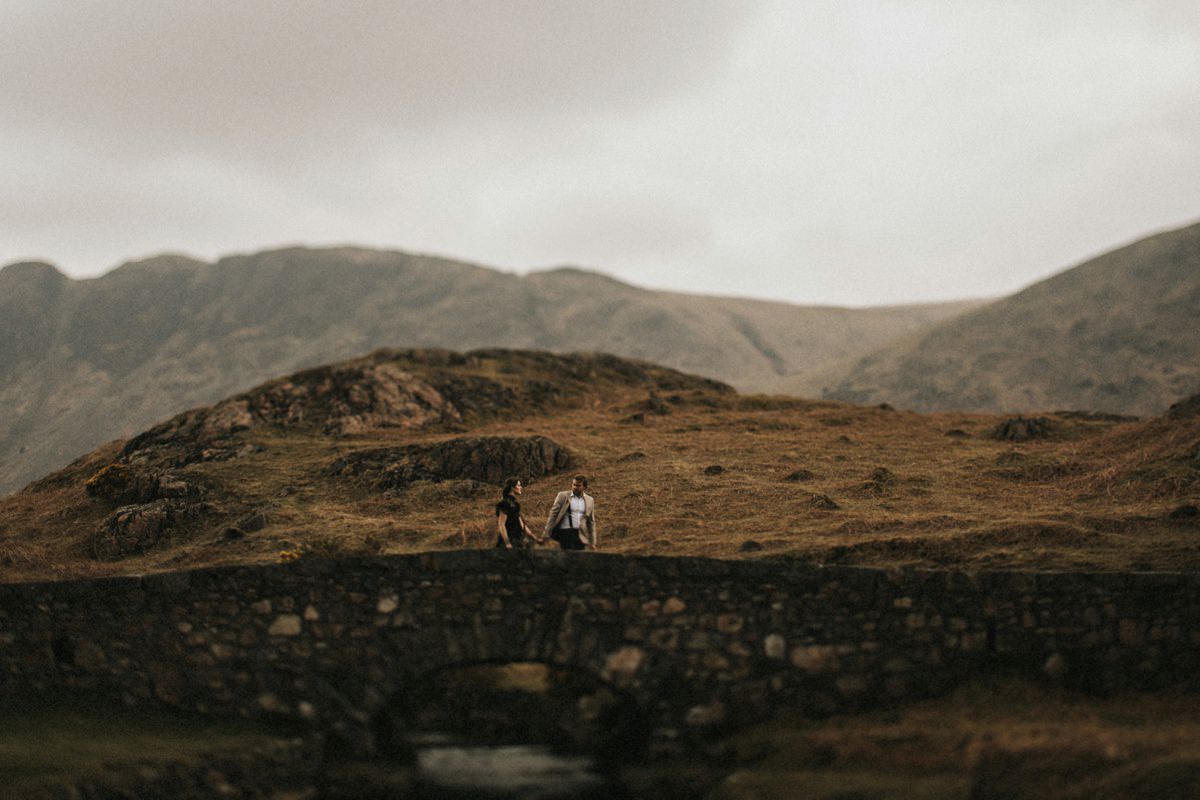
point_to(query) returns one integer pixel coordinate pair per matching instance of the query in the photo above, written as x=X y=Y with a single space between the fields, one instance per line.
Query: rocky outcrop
x=137 y=528
x=122 y=483
x=338 y=400
x=1022 y=429
x=489 y=459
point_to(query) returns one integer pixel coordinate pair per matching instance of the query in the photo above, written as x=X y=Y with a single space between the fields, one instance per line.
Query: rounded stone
x=285 y=625
x=775 y=646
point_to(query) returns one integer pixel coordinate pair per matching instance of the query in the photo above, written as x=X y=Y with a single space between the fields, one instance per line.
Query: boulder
x=880 y=481
x=823 y=502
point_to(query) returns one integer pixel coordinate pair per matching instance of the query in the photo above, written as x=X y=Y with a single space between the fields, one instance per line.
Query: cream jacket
x=587 y=528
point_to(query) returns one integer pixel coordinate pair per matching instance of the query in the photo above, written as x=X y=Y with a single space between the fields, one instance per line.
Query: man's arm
x=558 y=501
x=594 y=534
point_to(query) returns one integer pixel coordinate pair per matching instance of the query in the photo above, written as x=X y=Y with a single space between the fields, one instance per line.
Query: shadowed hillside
x=82 y=362
x=1119 y=333
x=403 y=451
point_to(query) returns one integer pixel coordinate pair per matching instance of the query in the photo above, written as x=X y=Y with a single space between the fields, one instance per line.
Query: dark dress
x=512 y=522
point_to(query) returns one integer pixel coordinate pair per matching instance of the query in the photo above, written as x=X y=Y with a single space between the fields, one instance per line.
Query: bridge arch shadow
x=566 y=707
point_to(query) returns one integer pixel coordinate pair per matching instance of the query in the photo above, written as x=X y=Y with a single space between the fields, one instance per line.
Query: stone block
x=1129 y=633
x=664 y=639
x=816 y=658
x=673 y=605
x=705 y=716
x=852 y=685
x=624 y=662
x=775 y=646
x=285 y=625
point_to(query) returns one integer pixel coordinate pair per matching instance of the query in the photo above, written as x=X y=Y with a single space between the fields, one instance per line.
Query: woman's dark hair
x=509 y=485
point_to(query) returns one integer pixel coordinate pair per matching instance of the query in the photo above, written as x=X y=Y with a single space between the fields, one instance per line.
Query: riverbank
x=990 y=739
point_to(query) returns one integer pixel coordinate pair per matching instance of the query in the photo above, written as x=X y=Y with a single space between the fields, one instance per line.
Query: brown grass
x=989 y=739
x=1096 y=497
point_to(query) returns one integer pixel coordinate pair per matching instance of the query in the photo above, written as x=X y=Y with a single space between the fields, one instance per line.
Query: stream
x=449 y=770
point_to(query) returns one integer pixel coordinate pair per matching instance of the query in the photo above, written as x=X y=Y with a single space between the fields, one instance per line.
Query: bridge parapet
x=696 y=642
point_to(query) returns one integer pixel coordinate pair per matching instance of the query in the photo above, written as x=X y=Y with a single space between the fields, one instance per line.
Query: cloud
x=817 y=152
x=271 y=75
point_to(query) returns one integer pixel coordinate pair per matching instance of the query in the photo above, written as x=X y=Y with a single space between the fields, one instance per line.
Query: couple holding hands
x=572 y=520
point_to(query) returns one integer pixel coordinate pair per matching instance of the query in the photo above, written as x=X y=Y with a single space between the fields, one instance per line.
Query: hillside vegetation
x=404 y=451
x=1119 y=333
x=84 y=362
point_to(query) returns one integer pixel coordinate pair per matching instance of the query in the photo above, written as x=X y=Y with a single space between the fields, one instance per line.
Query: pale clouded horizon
x=823 y=152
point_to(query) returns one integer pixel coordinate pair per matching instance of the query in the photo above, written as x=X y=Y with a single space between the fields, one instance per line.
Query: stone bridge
x=694 y=642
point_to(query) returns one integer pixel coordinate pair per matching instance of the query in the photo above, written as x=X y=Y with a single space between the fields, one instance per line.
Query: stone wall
x=695 y=642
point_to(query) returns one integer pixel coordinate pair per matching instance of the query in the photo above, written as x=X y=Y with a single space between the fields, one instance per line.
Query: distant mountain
x=83 y=362
x=1119 y=333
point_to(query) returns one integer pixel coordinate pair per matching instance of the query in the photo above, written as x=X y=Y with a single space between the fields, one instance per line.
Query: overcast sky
x=817 y=152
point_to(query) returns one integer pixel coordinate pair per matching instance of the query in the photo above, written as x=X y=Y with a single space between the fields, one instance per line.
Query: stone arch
x=562 y=704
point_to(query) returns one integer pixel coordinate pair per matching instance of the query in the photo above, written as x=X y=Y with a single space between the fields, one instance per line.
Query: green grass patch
x=80 y=735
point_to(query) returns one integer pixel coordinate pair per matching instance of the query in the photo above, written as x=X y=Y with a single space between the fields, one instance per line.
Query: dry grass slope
x=678 y=466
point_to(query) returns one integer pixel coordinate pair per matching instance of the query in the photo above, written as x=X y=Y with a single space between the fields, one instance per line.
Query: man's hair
x=581 y=478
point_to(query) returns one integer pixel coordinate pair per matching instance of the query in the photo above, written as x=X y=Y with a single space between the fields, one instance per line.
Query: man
x=572 y=520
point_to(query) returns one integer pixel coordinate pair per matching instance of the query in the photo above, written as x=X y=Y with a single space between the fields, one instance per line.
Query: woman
x=509 y=521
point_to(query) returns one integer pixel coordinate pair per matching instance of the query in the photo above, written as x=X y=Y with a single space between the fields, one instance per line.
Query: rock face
x=123 y=483
x=487 y=459
x=339 y=400
x=135 y=529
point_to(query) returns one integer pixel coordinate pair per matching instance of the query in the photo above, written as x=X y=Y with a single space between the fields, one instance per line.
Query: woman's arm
x=529 y=533
x=501 y=519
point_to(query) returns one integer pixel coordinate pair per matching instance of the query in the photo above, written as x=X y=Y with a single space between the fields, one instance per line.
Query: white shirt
x=574 y=517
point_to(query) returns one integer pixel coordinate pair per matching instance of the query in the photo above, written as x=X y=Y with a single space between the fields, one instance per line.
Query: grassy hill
x=83 y=362
x=404 y=451
x=1119 y=333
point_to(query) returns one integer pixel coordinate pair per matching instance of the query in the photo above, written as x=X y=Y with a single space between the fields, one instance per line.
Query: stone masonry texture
x=693 y=642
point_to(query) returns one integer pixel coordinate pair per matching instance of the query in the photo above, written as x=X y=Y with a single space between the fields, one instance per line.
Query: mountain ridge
x=85 y=361
x=1116 y=333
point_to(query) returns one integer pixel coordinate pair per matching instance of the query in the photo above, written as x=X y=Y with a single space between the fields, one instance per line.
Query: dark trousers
x=567 y=538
